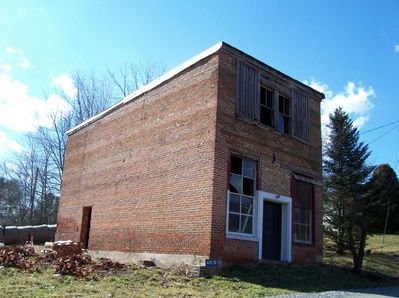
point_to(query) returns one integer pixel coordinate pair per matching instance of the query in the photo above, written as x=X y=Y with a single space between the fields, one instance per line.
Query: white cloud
x=354 y=100
x=397 y=48
x=18 y=58
x=66 y=84
x=8 y=144
x=5 y=67
x=10 y=50
x=22 y=112
x=24 y=63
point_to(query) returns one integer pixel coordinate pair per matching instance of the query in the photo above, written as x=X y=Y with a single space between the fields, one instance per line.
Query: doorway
x=271 y=242
x=85 y=230
x=274 y=226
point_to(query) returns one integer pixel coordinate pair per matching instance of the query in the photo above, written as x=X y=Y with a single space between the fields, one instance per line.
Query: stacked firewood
x=74 y=265
x=67 y=257
x=64 y=248
x=107 y=264
x=17 y=257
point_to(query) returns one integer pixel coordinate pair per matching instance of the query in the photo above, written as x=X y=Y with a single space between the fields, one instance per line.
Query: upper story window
x=289 y=114
x=266 y=106
x=284 y=114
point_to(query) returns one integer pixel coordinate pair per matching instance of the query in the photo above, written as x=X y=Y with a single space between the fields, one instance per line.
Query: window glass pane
x=281 y=104
x=266 y=116
x=249 y=168
x=286 y=125
x=308 y=217
x=262 y=96
x=308 y=237
x=281 y=123
x=270 y=99
x=235 y=183
x=248 y=186
x=236 y=165
x=302 y=231
x=287 y=106
x=234 y=203
x=246 y=224
x=234 y=223
x=247 y=206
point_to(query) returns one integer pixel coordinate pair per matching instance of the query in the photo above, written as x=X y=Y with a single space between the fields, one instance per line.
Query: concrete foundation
x=161 y=260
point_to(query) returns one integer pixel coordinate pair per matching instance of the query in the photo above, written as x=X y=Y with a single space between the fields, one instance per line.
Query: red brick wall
x=155 y=171
x=147 y=170
x=259 y=143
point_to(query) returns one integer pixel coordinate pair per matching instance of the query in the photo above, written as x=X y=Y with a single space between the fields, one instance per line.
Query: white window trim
x=243 y=236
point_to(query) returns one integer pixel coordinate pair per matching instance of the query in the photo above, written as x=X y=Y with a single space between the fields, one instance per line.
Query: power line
x=382 y=126
x=385 y=133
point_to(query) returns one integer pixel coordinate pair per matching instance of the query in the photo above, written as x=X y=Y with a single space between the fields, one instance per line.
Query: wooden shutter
x=248 y=92
x=300 y=108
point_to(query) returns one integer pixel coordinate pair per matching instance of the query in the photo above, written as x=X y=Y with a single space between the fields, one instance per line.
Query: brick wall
x=155 y=171
x=259 y=143
x=147 y=170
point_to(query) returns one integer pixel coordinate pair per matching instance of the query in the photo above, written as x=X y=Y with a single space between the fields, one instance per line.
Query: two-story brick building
x=218 y=158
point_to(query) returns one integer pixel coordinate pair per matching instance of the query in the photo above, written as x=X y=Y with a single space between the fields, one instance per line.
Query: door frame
x=286 y=223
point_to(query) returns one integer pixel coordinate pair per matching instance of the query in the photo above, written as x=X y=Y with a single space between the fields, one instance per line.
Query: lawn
x=243 y=281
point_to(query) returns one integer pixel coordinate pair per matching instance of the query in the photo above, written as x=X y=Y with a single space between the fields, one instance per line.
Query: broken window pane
x=236 y=165
x=249 y=168
x=248 y=186
x=235 y=183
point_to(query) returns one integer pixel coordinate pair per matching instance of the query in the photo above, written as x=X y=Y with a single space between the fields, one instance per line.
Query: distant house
x=220 y=158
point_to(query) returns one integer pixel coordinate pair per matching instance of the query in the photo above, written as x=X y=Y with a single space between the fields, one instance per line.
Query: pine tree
x=346 y=182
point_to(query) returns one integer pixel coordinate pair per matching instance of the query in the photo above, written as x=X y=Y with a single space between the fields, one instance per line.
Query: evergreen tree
x=346 y=184
x=384 y=194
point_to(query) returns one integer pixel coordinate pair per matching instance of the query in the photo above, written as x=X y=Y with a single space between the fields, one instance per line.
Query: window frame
x=271 y=109
x=241 y=235
x=295 y=207
x=284 y=114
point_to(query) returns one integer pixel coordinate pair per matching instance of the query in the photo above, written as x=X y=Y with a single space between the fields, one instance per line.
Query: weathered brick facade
x=155 y=169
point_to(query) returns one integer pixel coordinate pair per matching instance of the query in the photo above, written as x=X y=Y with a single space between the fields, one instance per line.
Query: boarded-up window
x=301 y=115
x=248 y=97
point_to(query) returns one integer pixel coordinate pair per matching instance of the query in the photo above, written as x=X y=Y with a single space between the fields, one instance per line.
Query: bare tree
x=128 y=78
x=38 y=169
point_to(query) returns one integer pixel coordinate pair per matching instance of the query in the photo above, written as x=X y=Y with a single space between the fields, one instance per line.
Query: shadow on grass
x=315 y=278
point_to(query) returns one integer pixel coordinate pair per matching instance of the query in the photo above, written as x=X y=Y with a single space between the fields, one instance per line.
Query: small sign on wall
x=211 y=262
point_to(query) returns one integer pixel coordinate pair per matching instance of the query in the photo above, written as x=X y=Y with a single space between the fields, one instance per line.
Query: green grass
x=239 y=281
x=386 y=263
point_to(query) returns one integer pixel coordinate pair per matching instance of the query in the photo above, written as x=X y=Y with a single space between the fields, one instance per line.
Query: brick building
x=219 y=158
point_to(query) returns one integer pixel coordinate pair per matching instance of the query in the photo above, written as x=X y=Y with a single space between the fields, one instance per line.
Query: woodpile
x=109 y=265
x=66 y=257
x=64 y=248
x=17 y=257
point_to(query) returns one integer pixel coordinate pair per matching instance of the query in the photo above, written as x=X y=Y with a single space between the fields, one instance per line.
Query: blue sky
x=347 y=49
